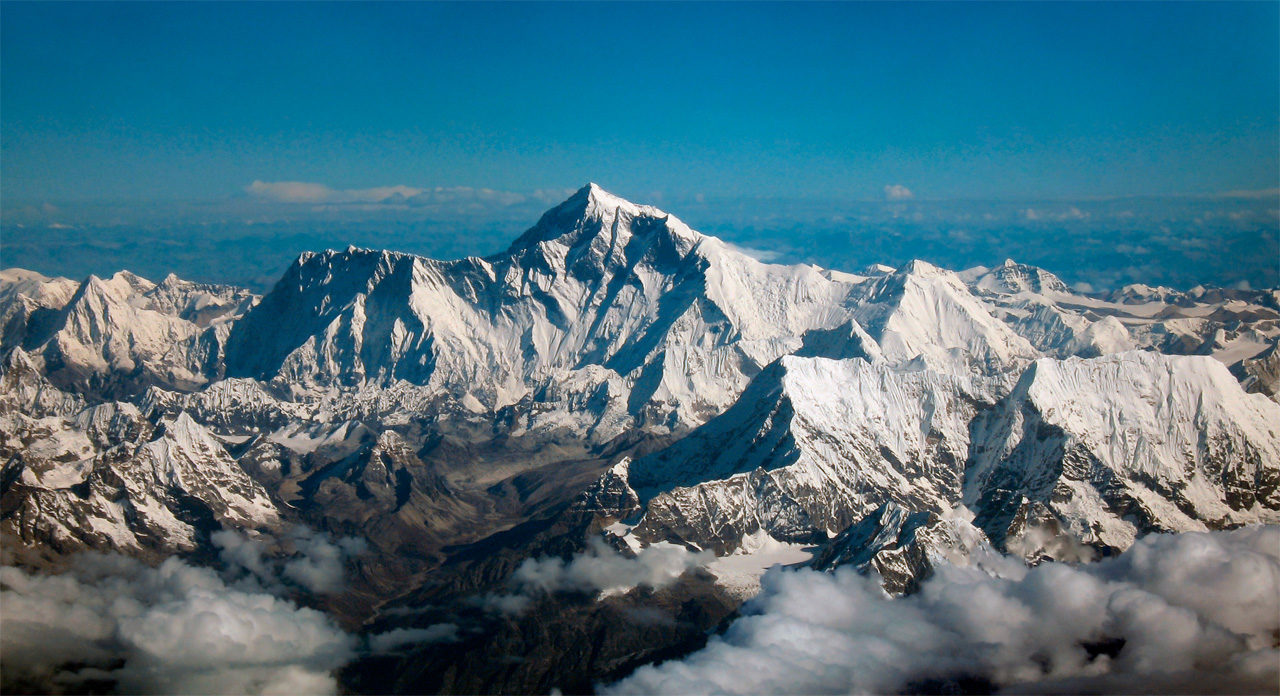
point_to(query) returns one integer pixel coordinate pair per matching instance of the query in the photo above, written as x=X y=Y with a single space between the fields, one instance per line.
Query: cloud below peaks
x=1187 y=613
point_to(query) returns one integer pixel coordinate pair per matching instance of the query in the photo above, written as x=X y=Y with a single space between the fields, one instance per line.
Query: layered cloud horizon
x=1227 y=240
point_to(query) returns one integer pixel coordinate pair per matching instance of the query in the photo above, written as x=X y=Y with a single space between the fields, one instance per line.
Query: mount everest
x=616 y=375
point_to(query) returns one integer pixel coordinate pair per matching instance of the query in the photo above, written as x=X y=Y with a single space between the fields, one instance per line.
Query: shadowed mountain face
x=548 y=467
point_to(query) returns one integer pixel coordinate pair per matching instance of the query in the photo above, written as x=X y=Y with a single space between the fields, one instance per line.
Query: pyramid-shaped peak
x=17 y=360
x=593 y=199
x=592 y=211
x=131 y=280
x=118 y=287
x=95 y=287
x=879 y=269
x=920 y=267
x=187 y=434
x=1013 y=277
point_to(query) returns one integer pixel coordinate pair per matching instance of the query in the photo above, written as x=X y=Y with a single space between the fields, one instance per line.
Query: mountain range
x=616 y=380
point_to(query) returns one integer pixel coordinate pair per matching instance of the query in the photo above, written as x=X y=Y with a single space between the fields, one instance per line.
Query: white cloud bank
x=598 y=569
x=178 y=628
x=1190 y=613
x=171 y=629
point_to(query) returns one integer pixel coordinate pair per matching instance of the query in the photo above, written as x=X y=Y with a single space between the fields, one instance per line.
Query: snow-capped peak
x=1012 y=278
x=1123 y=443
x=596 y=218
x=598 y=199
x=877 y=269
x=922 y=268
x=681 y=319
x=923 y=312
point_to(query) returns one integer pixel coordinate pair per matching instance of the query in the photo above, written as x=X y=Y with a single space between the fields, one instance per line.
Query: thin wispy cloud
x=1271 y=193
x=311 y=192
x=315 y=193
x=1179 y=241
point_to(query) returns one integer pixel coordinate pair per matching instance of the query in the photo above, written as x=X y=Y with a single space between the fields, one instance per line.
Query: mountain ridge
x=615 y=382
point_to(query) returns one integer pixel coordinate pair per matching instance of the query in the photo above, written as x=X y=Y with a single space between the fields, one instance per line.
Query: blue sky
x=1109 y=143
x=195 y=101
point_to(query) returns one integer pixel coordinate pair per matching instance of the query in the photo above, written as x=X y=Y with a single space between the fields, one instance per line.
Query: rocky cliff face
x=1126 y=444
x=106 y=478
x=811 y=447
x=904 y=548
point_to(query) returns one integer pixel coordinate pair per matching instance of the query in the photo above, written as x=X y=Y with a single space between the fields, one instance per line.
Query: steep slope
x=905 y=547
x=1261 y=373
x=118 y=336
x=202 y=304
x=28 y=302
x=683 y=320
x=46 y=291
x=925 y=313
x=104 y=339
x=83 y=483
x=1082 y=451
x=1112 y=447
x=24 y=390
x=1041 y=308
x=811 y=446
x=105 y=477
